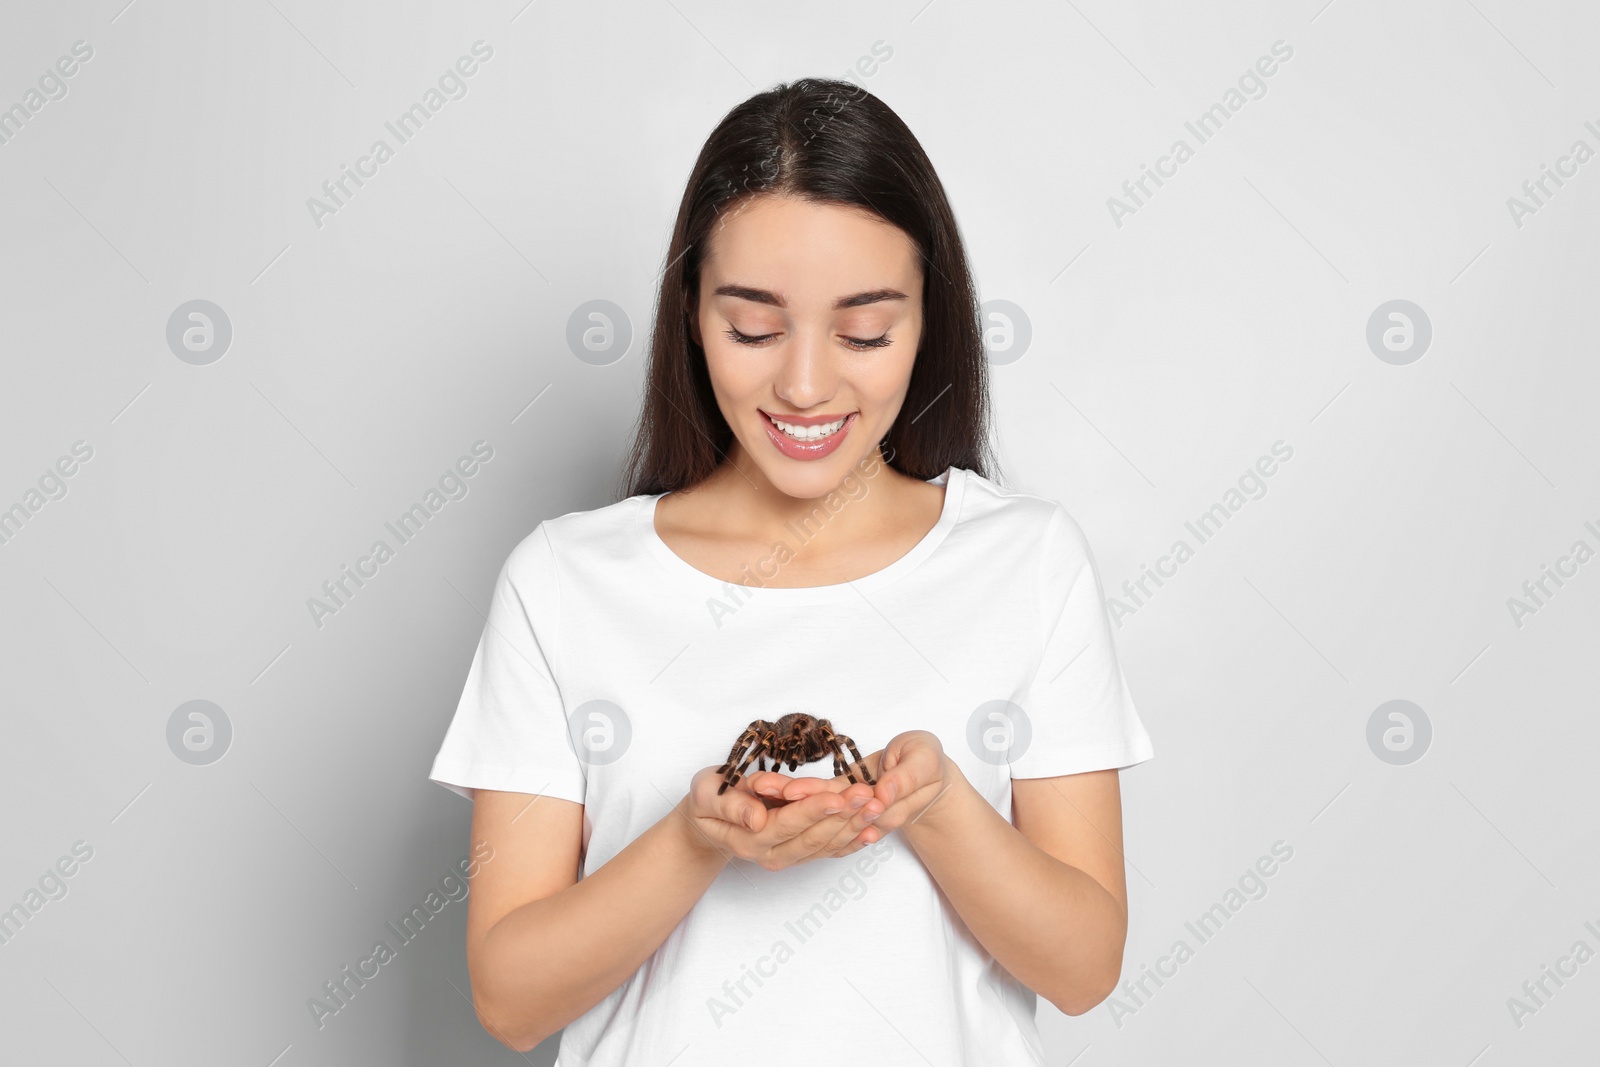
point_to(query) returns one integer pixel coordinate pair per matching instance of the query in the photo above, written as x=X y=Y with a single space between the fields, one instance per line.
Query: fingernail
x=857 y=802
x=831 y=811
x=747 y=817
x=888 y=793
x=871 y=816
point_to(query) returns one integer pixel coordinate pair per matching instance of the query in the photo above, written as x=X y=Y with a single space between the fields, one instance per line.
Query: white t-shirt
x=611 y=670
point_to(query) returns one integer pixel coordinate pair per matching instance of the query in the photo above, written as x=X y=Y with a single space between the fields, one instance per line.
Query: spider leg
x=751 y=735
x=859 y=761
x=830 y=741
x=839 y=764
x=761 y=746
x=788 y=749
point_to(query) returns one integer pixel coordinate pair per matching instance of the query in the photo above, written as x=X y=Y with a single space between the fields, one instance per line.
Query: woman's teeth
x=810 y=433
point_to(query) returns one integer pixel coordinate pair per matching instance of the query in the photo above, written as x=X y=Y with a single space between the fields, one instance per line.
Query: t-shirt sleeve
x=510 y=727
x=1080 y=714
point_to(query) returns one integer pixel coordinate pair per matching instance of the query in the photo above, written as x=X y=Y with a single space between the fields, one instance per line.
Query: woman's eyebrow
x=762 y=296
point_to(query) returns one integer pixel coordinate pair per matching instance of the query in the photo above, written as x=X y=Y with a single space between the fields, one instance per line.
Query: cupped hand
x=755 y=821
x=911 y=773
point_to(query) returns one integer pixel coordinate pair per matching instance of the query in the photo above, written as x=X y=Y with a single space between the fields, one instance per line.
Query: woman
x=809 y=527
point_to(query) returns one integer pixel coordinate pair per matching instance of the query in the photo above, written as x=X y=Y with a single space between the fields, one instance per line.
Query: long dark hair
x=827 y=141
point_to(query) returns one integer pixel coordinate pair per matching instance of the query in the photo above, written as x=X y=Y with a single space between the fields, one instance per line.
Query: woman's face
x=809 y=314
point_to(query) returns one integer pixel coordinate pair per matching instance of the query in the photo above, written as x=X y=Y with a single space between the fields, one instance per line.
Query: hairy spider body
x=795 y=739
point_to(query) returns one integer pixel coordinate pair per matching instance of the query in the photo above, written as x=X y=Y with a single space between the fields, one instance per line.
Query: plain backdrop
x=1440 y=860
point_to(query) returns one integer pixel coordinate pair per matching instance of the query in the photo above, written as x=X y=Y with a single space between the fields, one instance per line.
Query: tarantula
x=794 y=739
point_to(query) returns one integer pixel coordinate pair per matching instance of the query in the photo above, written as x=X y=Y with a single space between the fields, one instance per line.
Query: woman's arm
x=1047 y=897
x=544 y=947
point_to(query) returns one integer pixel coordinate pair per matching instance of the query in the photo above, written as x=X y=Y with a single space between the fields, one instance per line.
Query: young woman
x=809 y=527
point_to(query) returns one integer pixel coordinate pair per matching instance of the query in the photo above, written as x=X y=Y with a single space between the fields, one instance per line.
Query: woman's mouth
x=802 y=441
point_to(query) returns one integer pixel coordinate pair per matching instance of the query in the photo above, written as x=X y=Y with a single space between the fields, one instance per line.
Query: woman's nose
x=806 y=375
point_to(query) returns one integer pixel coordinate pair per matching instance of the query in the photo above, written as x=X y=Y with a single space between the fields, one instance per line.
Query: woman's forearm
x=550 y=960
x=1056 y=929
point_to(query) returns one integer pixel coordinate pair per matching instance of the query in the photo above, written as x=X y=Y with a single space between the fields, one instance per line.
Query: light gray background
x=1167 y=355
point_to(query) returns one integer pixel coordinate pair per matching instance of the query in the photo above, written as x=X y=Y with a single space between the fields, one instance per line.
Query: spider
x=794 y=739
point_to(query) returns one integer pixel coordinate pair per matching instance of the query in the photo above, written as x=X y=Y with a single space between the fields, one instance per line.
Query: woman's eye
x=748 y=339
x=858 y=343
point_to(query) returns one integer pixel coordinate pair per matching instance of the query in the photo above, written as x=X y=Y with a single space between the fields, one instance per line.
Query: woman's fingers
x=800 y=788
x=781 y=788
x=814 y=819
x=719 y=814
x=739 y=820
x=805 y=786
x=859 y=818
x=857 y=840
x=823 y=820
x=769 y=785
x=802 y=827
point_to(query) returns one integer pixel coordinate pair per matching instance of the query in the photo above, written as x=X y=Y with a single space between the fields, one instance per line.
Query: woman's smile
x=807 y=437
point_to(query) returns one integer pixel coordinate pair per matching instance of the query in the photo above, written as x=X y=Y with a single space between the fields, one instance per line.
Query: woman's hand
x=779 y=832
x=911 y=771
